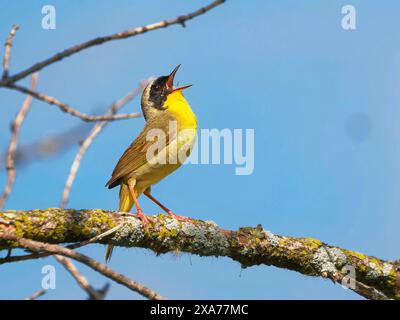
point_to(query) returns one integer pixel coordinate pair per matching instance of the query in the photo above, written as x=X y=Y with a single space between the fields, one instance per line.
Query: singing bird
x=165 y=110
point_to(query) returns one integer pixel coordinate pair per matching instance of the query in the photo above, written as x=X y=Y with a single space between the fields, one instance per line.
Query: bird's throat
x=177 y=105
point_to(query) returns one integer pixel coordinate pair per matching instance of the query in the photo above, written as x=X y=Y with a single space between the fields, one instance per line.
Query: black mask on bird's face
x=156 y=92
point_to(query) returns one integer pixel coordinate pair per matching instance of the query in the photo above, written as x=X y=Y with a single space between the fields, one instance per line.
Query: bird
x=166 y=111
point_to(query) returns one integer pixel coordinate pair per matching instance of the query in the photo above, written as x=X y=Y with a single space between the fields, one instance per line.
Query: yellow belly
x=151 y=173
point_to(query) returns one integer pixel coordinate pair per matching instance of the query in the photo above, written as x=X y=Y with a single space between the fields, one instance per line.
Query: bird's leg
x=139 y=213
x=173 y=215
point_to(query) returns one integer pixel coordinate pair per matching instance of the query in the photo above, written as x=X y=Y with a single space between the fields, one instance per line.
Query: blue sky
x=323 y=103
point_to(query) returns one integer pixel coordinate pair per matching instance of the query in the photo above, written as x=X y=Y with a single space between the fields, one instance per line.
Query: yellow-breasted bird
x=165 y=109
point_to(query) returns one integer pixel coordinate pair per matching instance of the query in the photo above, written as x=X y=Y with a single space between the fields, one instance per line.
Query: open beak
x=170 y=81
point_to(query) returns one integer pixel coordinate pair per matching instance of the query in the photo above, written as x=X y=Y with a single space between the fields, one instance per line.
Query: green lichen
x=312 y=243
x=392 y=282
x=355 y=254
x=168 y=233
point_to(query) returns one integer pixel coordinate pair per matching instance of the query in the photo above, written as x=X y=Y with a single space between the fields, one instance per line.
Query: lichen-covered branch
x=371 y=277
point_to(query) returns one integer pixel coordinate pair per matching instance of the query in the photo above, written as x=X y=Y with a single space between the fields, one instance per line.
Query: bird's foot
x=146 y=220
x=180 y=218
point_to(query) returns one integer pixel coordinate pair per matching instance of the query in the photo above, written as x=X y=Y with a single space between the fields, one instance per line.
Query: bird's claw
x=146 y=220
x=181 y=218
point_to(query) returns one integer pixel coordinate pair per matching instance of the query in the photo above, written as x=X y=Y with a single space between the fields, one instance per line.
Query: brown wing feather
x=135 y=155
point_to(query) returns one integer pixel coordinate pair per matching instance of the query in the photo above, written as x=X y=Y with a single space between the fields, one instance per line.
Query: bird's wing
x=135 y=156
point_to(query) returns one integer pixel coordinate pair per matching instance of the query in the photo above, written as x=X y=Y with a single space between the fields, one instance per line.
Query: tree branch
x=81 y=280
x=116 y=36
x=67 y=109
x=36 y=295
x=12 y=148
x=37 y=246
x=374 y=278
x=7 y=51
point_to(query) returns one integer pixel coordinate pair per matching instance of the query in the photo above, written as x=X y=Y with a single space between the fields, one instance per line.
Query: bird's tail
x=125 y=205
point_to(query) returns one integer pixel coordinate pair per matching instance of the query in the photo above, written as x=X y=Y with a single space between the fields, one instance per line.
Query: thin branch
x=375 y=278
x=7 y=51
x=103 y=291
x=90 y=138
x=67 y=109
x=95 y=265
x=10 y=165
x=97 y=41
x=80 y=279
x=369 y=292
x=36 y=295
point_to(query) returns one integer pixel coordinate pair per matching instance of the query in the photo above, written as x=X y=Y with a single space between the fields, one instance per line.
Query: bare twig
x=369 y=292
x=120 y=35
x=80 y=279
x=36 y=295
x=11 y=172
x=67 y=109
x=7 y=50
x=95 y=265
x=90 y=138
x=103 y=291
